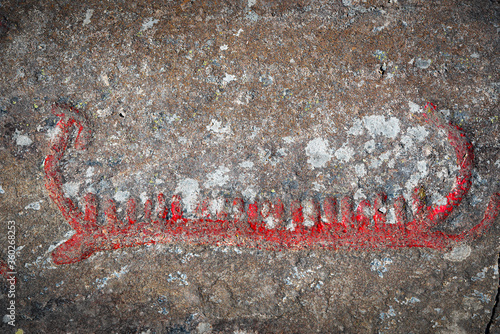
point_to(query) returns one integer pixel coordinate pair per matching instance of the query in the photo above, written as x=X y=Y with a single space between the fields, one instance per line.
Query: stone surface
x=261 y=100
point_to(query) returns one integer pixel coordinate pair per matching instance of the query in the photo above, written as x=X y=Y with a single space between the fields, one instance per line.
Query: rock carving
x=333 y=224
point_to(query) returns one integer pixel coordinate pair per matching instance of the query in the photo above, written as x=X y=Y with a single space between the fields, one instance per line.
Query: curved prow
x=465 y=160
x=69 y=117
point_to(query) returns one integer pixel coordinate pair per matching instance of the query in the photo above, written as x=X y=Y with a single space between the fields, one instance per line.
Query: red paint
x=7 y=272
x=240 y=224
x=4 y=269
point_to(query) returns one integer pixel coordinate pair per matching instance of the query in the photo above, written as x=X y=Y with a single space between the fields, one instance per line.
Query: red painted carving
x=313 y=224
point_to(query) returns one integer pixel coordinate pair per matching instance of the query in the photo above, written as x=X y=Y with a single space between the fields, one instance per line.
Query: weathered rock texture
x=257 y=100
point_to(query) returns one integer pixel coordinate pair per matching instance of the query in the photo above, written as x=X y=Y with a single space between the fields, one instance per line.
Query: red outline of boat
x=237 y=223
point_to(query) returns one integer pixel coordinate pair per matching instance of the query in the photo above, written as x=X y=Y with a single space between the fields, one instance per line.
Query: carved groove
x=260 y=224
